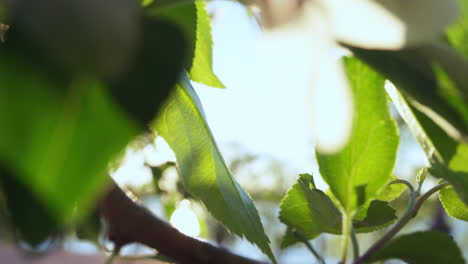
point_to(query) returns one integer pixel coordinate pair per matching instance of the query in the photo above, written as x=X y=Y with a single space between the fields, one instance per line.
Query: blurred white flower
x=301 y=36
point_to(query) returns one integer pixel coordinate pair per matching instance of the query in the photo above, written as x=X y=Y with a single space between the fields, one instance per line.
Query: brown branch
x=130 y=222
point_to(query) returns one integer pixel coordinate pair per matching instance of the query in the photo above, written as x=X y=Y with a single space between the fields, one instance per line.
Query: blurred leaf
x=417 y=73
x=457 y=33
x=28 y=214
x=153 y=71
x=452 y=204
x=195 y=22
x=182 y=124
x=368 y=158
x=308 y=209
x=82 y=36
x=60 y=130
x=422 y=248
x=312 y=212
x=447 y=157
x=90 y=228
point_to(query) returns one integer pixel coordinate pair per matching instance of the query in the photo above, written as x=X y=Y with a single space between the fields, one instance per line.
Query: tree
x=80 y=80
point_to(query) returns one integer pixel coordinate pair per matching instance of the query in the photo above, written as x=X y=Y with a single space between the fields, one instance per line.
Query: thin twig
x=413 y=208
x=405 y=182
x=306 y=242
x=355 y=243
x=113 y=255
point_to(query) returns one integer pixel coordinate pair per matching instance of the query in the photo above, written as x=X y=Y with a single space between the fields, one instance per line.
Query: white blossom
x=302 y=36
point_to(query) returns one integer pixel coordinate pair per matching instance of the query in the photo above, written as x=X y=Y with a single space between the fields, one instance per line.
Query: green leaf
x=419 y=75
x=391 y=191
x=447 y=157
x=31 y=219
x=452 y=204
x=195 y=22
x=422 y=248
x=90 y=228
x=457 y=33
x=377 y=216
x=307 y=209
x=183 y=125
x=60 y=129
x=153 y=71
x=312 y=212
x=367 y=160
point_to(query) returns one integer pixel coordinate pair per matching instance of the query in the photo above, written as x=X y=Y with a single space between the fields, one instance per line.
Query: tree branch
x=130 y=222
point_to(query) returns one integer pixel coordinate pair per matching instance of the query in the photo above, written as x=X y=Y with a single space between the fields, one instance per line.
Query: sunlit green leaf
x=308 y=209
x=312 y=212
x=368 y=159
x=422 y=248
x=391 y=191
x=419 y=74
x=195 y=22
x=452 y=204
x=447 y=157
x=205 y=174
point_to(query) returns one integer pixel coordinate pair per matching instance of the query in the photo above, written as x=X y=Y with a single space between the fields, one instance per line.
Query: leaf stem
x=413 y=208
x=113 y=255
x=346 y=231
x=405 y=182
x=355 y=243
x=306 y=242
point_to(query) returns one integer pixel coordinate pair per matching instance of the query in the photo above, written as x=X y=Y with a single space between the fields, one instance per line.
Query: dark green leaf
x=90 y=228
x=367 y=160
x=60 y=130
x=153 y=71
x=30 y=217
x=422 y=248
x=195 y=22
x=378 y=215
x=205 y=175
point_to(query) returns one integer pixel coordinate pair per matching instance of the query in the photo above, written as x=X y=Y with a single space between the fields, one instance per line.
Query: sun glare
x=185 y=220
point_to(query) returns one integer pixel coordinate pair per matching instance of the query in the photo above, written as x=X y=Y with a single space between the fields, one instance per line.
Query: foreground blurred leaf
x=152 y=72
x=30 y=217
x=90 y=228
x=357 y=173
x=312 y=212
x=59 y=130
x=452 y=204
x=195 y=22
x=182 y=124
x=447 y=157
x=457 y=33
x=422 y=248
